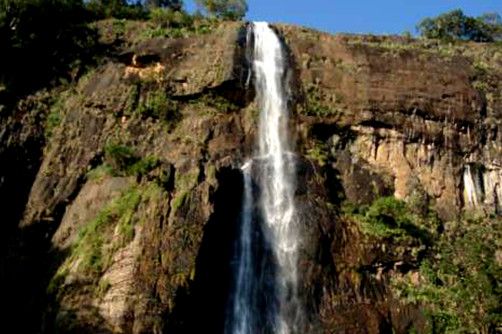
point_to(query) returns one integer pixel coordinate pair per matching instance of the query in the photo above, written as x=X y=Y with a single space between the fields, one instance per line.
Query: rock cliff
x=121 y=191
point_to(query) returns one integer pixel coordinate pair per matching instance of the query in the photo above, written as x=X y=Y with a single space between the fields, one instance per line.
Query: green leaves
x=124 y=161
x=225 y=9
x=462 y=283
x=41 y=39
x=455 y=25
x=388 y=217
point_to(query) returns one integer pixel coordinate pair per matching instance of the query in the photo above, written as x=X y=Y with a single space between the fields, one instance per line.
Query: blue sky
x=360 y=16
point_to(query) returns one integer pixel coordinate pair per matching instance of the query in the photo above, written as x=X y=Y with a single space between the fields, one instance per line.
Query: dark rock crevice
x=201 y=306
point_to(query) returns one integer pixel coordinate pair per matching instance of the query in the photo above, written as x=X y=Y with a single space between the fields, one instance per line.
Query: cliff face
x=122 y=191
x=414 y=112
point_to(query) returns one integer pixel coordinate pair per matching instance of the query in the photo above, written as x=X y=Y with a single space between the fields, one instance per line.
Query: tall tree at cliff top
x=455 y=25
x=122 y=9
x=173 y=4
x=225 y=9
x=41 y=40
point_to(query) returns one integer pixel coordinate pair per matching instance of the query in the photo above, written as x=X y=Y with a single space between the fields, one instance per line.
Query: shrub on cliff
x=461 y=284
x=123 y=161
x=389 y=217
x=455 y=25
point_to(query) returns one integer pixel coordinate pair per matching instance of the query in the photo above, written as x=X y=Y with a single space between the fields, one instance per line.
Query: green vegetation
x=176 y=24
x=171 y=4
x=53 y=121
x=121 y=9
x=98 y=240
x=218 y=102
x=459 y=276
x=168 y=18
x=461 y=285
x=315 y=105
x=122 y=161
x=319 y=153
x=91 y=247
x=100 y=172
x=388 y=217
x=455 y=25
x=119 y=157
x=103 y=287
x=55 y=114
x=42 y=41
x=154 y=104
x=157 y=105
x=184 y=183
x=63 y=35
x=225 y=9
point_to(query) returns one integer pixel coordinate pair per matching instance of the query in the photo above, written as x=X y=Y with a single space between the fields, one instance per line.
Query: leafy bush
x=461 y=286
x=225 y=9
x=123 y=161
x=176 y=23
x=388 y=217
x=156 y=104
x=319 y=153
x=143 y=166
x=314 y=105
x=455 y=25
x=171 y=4
x=120 y=157
x=168 y=18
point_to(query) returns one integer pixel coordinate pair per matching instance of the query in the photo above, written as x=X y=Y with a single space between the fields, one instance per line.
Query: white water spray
x=483 y=187
x=242 y=317
x=257 y=291
x=472 y=190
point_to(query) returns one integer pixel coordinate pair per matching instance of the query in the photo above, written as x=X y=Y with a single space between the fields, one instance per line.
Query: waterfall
x=472 y=190
x=265 y=298
x=483 y=187
x=492 y=181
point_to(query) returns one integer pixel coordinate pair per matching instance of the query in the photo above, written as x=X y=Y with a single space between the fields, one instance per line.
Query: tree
x=455 y=25
x=40 y=40
x=225 y=9
x=121 y=9
x=493 y=22
x=172 y=4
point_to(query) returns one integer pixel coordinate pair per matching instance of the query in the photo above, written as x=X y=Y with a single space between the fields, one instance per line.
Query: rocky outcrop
x=413 y=112
x=129 y=204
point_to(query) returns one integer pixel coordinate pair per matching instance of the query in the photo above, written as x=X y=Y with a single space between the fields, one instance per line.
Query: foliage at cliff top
x=226 y=9
x=41 y=39
x=455 y=25
x=46 y=42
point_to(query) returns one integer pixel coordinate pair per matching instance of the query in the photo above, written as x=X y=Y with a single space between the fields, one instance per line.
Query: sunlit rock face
x=412 y=115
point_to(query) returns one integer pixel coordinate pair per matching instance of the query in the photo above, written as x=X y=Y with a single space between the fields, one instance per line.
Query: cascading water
x=483 y=186
x=472 y=189
x=266 y=299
